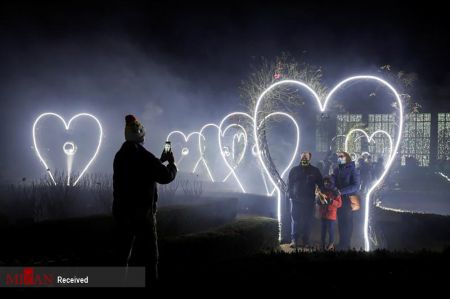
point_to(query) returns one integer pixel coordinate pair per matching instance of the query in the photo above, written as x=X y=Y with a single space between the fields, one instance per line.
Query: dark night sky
x=155 y=58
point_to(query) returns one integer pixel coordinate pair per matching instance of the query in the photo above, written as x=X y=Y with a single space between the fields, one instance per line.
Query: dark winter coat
x=136 y=172
x=302 y=183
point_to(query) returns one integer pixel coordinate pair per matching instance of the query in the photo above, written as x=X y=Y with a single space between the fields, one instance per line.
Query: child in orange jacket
x=329 y=200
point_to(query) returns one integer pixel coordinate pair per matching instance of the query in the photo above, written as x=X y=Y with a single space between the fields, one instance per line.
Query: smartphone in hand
x=167 y=147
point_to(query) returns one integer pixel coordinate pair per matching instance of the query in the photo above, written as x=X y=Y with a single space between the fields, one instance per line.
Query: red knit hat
x=130 y=118
x=134 y=130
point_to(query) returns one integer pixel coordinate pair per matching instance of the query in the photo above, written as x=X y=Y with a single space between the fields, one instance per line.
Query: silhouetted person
x=303 y=180
x=136 y=172
x=346 y=179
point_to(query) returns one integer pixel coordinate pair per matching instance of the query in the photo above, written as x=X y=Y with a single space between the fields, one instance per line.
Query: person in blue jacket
x=347 y=180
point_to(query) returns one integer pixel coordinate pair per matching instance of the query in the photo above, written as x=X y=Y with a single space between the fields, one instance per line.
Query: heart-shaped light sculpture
x=220 y=136
x=369 y=138
x=269 y=190
x=232 y=153
x=70 y=147
x=185 y=150
x=322 y=107
x=201 y=149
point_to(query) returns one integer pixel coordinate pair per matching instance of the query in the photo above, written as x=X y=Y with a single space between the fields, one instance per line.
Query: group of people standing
x=308 y=189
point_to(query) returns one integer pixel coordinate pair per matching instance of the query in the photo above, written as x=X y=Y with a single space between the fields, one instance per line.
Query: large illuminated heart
x=185 y=151
x=370 y=138
x=70 y=151
x=258 y=114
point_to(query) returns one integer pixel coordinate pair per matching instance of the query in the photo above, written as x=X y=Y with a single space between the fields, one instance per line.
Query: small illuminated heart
x=185 y=151
x=369 y=138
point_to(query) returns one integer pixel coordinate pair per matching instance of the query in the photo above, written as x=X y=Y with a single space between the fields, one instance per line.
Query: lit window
x=443 y=136
x=380 y=146
x=346 y=122
x=416 y=138
x=322 y=134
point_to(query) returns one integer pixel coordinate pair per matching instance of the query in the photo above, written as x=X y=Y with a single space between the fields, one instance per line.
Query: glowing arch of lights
x=297 y=142
x=69 y=152
x=369 y=138
x=322 y=107
x=221 y=134
x=184 y=151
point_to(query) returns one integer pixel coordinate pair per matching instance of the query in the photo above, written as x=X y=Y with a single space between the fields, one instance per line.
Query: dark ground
x=241 y=254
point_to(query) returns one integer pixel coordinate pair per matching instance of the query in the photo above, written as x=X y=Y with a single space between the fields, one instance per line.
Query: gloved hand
x=170 y=158
x=163 y=157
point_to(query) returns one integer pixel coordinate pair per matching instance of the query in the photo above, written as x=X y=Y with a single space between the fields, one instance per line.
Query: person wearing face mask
x=302 y=183
x=347 y=180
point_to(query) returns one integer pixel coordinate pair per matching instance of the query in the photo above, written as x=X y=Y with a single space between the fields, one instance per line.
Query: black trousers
x=345 y=223
x=137 y=244
x=302 y=215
